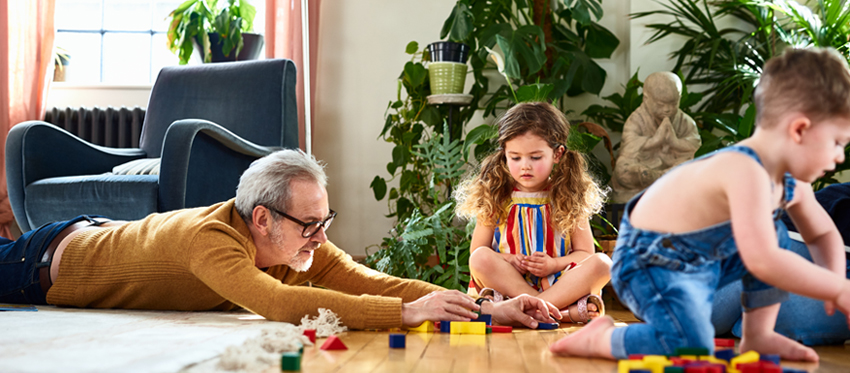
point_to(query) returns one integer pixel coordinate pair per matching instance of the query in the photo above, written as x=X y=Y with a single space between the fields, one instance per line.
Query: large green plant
x=197 y=18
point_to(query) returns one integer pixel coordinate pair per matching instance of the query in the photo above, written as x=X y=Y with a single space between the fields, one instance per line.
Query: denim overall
x=668 y=280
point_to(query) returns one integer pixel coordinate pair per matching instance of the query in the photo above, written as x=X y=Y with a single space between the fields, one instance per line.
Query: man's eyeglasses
x=310 y=228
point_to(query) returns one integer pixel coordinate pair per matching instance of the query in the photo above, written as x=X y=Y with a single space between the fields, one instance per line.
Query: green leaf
x=459 y=24
x=534 y=92
x=745 y=128
x=601 y=43
x=379 y=187
x=411 y=48
x=431 y=116
x=414 y=74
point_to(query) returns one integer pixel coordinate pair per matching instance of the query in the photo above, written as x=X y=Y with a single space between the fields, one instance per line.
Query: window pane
x=78 y=15
x=126 y=58
x=84 y=49
x=161 y=10
x=127 y=15
x=161 y=56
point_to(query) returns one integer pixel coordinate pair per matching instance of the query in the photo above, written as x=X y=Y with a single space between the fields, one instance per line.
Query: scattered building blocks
x=656 y=363
x=759 y=367
x=626 y=366
x=425 y=327
x=311 y=333
x=771 y=358
x=290 y=361
x=547 y=326
x=464 y=327
x=725 y=355
x=397 y=340
x=745 y=358
x=691 y=351
x=445 y=326
x=500 y=329
x=333 y=343
x=721 y=342
x=488 y=319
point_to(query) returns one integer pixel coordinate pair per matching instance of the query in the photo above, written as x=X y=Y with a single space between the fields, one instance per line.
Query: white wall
x=361 y=55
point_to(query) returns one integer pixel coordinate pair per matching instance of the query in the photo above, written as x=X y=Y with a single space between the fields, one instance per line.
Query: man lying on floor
x=251 y=252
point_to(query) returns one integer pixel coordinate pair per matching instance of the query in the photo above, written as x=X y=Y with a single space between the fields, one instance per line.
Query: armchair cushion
x=130 y=197
x=144 y=166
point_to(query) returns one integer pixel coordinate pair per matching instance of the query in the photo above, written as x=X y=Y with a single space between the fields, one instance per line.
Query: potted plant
x=61 y=60
x=200 y=24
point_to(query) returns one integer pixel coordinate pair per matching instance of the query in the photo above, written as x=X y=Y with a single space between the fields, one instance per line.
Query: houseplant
x=219 y=34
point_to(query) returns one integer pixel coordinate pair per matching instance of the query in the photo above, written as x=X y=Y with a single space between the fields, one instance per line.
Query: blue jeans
x=669 y=281
x=800 y=318
x=21 y=259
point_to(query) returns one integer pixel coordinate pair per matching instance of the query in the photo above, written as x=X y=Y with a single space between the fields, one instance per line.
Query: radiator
x=117 y=128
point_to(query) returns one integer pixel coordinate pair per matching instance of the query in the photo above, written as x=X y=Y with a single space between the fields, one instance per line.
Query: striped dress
x=528 y=229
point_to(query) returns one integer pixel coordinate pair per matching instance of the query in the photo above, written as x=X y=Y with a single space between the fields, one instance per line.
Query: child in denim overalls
x=713 y=220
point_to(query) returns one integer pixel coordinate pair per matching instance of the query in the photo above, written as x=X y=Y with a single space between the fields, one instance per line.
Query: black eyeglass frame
x=322 y=224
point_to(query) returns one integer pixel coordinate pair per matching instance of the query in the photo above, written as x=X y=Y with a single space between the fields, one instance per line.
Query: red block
x=311 y=333
x=333 y=343
x=679 y=362
x=720 y=342
x=636 y=356
x=750 y=367
x=500 y=329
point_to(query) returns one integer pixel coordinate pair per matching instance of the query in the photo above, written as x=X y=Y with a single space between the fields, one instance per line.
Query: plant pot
x=60 y=71
x=251 y=46
x=448 y=51
x=447 y=77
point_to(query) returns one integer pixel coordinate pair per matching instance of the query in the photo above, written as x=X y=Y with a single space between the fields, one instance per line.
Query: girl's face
x=530 y=160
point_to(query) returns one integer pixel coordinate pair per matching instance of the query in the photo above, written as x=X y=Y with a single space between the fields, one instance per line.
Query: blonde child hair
x=574 y=195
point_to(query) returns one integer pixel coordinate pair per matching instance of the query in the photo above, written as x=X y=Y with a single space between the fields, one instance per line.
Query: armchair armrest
x=38 y=150
x=201 y=164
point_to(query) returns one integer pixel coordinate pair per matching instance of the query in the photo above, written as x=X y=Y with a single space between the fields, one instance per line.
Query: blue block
x=725 y=354
x=397 y=340
x=771 y=358
x=640 y=371
x=790 y=370
x=485 y=318
x=547 y=326
x=445 y=326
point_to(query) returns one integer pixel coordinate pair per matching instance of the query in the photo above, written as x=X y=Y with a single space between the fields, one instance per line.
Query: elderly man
x=251 y=252
x=656 y=137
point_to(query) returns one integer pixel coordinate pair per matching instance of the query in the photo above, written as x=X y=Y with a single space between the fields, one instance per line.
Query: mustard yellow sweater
x=203 y=259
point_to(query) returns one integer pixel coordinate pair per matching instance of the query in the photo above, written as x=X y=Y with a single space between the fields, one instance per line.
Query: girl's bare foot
x=593 y=340
x=775 y=343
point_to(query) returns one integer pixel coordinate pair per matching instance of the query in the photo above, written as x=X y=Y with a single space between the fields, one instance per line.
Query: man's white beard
x=300 y=265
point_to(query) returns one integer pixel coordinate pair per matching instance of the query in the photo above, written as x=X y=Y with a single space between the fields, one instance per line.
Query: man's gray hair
x=267 y=181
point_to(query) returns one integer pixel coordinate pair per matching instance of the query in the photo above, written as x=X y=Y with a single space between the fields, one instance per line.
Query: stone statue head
x=661 y=94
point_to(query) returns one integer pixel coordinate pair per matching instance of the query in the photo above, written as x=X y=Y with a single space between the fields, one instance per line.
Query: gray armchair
x=205 y=123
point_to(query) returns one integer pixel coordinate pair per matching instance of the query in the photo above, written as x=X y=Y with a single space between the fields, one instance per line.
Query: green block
x=489 y=331
x=698 y=351
x=290 y=361
x=674 y=369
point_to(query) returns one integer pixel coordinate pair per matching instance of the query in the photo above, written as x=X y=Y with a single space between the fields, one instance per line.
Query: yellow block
x=425 y=327
x=714 y=360
x=746 y=357
x=462 y=327
x=624 y=366
x=656 y=363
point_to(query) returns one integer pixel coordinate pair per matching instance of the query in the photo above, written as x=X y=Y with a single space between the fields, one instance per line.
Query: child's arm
x=818 y=229
x=581 y=240
x=747 y=189
x=482 y=236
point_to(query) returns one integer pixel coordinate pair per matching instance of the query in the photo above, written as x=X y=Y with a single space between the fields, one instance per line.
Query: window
x=119 y=41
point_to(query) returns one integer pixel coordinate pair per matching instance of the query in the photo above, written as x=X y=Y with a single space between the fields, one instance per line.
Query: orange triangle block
x=333 y=343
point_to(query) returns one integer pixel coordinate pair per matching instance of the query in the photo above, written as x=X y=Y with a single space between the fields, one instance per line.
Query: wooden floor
x=521 y=351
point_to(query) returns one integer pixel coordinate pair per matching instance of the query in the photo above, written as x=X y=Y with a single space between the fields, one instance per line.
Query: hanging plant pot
x=251 y=46
x=448 y=51
x=447 y=77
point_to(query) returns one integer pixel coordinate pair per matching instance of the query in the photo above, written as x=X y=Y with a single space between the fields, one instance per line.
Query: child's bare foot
x=775 y=343
x=593 y=340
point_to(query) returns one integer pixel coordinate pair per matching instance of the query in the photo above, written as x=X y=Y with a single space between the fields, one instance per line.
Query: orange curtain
x=26 y=67
x=284 y=40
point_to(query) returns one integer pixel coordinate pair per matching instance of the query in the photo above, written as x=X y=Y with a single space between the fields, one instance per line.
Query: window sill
x=101 y=86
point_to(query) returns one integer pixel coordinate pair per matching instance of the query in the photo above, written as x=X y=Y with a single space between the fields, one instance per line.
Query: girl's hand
x=540 y=264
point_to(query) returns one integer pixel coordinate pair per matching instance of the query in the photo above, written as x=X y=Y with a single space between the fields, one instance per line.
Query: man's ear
x=799 y=125
x=262 y=219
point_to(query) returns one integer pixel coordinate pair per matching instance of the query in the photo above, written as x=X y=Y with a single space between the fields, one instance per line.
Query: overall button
x=667 y=243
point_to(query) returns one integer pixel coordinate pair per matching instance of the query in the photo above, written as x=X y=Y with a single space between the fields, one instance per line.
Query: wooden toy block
x=678 y=361
x=547 y=326
x=468 y=327
x=489 y=330
x=626 y=366
x=674 y=369
x=790 y=370
x=445 y=326
x=773 y=358
x=696 y=369
x=722 y=342
x=290 y=361
x=425 y=327
x=500 y=329
x=689 y=357
x=397 y=340
x=749 y=368
x=488 y=319
x=311 y=333
x=640 y=371
x=656 y=363
x=691 y=351
x=725 y=355
x=333 y=343
x=636 y=356
x=745 y=358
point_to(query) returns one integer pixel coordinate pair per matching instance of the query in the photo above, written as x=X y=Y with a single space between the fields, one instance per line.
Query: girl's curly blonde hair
x=574 y=195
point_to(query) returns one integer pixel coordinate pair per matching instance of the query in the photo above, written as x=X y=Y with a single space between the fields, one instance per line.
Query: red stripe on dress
x=550 y=242
x=509 y=230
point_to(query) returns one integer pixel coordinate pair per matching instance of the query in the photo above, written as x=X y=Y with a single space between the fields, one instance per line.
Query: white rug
x=71 y=340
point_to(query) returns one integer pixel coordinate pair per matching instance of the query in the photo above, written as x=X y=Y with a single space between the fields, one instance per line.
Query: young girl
x=532 y=200
x=714 y=220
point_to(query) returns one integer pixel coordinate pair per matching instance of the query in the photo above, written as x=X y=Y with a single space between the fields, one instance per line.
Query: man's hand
x=450 y=305
x=540 y=264
x=522 y=310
